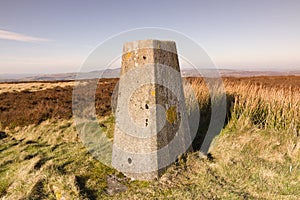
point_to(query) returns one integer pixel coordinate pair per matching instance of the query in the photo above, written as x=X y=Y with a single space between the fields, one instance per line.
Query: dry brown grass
x=32 y=86
x=267 y=102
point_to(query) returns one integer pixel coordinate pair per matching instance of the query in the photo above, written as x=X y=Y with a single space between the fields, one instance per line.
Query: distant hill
x=237 y=73
x=109 y=73
x=114 y=73
x=11 y=77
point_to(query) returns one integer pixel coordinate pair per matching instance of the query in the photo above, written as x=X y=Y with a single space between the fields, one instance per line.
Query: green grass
x=248 y=162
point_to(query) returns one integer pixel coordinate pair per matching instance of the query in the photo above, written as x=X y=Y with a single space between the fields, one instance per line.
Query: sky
x=57 y=36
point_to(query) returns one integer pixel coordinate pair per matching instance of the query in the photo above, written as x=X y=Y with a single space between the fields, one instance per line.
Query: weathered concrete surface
x=151 y=121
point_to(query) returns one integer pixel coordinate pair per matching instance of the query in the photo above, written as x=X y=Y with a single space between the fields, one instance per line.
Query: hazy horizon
x=282 y=69
x=25 y=75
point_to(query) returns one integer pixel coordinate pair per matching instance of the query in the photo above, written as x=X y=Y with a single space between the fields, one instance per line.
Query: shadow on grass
x=205 y=120
x=84 y=191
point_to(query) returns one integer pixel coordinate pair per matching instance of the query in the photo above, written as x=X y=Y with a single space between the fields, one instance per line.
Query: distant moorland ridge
x=114 y=73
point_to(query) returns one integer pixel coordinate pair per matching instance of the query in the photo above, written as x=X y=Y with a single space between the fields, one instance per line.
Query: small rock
x=114 y=185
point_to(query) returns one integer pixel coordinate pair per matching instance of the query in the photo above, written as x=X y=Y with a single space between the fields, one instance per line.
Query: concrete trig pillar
x=151 y=127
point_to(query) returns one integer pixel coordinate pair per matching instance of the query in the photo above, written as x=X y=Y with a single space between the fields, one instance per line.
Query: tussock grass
x=269 y=107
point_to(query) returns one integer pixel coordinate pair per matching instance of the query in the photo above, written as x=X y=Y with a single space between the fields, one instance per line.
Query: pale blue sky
x=55 y=36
